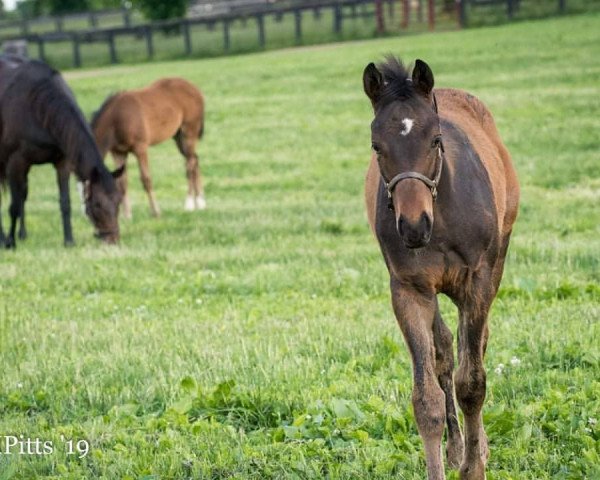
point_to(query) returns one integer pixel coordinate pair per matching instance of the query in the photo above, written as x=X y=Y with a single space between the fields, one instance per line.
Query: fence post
x=76 y=52
x=93 y=19
x=226 y=40
x=111 y=47
x=379 y=17
x=186 y=38
x=562 y=6
x=391 y=8
x=58 y=21
x=260 y=20
x=42 y=54
x=149 y=43
x=431 y=14
x=298 y=26
x=126 y=17
x=24 y=27
x=510 y=8
x=337 y=18
x=405 y=13
x=461 y=6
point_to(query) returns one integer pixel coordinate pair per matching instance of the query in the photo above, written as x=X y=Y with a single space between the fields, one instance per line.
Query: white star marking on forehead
x=408 y=124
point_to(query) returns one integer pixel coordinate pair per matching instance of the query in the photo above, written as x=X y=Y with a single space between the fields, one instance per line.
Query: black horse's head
x=406 y=139
x=102 y=198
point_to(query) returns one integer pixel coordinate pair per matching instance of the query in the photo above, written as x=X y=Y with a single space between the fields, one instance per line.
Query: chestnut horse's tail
x=201 y=131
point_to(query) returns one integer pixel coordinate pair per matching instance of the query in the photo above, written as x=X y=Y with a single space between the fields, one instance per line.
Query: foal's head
x=102 y=198
x=405 y=136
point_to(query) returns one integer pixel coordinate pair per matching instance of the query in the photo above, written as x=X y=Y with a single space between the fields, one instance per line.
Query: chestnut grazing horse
x=442 y=197
x=132 y=120
x=40 y=122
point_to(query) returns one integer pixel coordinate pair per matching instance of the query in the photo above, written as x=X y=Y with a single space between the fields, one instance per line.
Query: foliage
x=255 y=339
x=162 y=9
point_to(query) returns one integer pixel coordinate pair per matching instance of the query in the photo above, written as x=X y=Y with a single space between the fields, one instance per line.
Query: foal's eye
x=376 y=148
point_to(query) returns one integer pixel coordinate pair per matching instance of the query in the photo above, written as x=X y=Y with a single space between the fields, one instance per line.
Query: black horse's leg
x=62 y=176
x=2 y=237
x=22 y=229
x=17 y=178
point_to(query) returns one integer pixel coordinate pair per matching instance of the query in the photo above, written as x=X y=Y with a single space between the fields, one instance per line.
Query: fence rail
x=340 y=11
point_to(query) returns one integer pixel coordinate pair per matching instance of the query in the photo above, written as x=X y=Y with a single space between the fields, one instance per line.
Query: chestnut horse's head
x=102 y=198
x=406 y=138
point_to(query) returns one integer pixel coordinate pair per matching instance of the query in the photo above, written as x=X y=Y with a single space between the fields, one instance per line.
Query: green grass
x=256 y=339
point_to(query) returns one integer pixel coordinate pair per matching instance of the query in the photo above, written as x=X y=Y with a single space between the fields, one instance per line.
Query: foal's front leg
x=415 y=313
x=470 y=379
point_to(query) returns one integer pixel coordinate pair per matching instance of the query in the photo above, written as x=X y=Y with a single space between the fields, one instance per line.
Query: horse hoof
x=454 y=453
x=10 y=244
x=200 y=203
x=69 y=243
x=22 y=235
x=189 y=204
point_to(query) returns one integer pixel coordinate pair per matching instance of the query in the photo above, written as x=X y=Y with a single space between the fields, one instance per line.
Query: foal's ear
x=118 y=172
x=372 y=83
x=422 y=78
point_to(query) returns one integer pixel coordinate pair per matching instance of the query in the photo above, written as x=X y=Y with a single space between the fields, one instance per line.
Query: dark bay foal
x=442 y=197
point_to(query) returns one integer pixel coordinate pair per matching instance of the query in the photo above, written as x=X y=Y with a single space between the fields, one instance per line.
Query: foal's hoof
x=22 y=235
x=10 y=244
x=69 y=243
x=200 y=203
x=454 y=452
x=189 y=205
x=476 y=471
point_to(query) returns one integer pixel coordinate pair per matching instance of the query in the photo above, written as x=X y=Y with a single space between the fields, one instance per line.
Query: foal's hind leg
x=415 y=313
x=444 y=366
x=120 y=159
x=186 y=143
x=142 y=155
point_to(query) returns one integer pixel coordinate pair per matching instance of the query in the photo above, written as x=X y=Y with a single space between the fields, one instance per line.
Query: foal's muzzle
x=415 y=235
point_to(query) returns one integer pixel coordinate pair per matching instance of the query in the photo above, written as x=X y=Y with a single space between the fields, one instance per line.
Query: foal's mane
x=98 y=113
x=396 y=79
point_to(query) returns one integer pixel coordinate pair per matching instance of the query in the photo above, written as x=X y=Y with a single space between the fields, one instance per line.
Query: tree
x=162 y=9
x=67 y=6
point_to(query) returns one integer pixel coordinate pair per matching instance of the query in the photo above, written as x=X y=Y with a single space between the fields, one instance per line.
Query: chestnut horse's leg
x=415 y=313
x=470 y=377
x=444 y=366
x=186 y=143
x=142 y=156
x=120 y=160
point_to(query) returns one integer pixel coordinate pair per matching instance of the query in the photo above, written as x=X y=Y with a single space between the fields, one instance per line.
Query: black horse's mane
x=53 y=105
x=98 y=113
x=397 y=80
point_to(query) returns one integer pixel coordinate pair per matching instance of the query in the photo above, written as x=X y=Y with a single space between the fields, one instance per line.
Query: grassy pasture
x=256 y=339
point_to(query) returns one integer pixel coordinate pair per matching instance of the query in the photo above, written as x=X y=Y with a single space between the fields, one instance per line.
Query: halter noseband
x=432 y=184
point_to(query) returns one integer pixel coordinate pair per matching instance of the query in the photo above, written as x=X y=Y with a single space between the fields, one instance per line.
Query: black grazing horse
x=40 y=122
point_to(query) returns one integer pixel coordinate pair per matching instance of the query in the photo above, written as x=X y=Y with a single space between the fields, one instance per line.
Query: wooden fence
x=512 y=7
x=56 y=24
x=340 y=10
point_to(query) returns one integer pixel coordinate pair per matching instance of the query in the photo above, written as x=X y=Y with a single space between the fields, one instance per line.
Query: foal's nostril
x=401 y=225
x=426 y=222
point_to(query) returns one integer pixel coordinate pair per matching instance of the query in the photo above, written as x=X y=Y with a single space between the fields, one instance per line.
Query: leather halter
x=432 y=184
